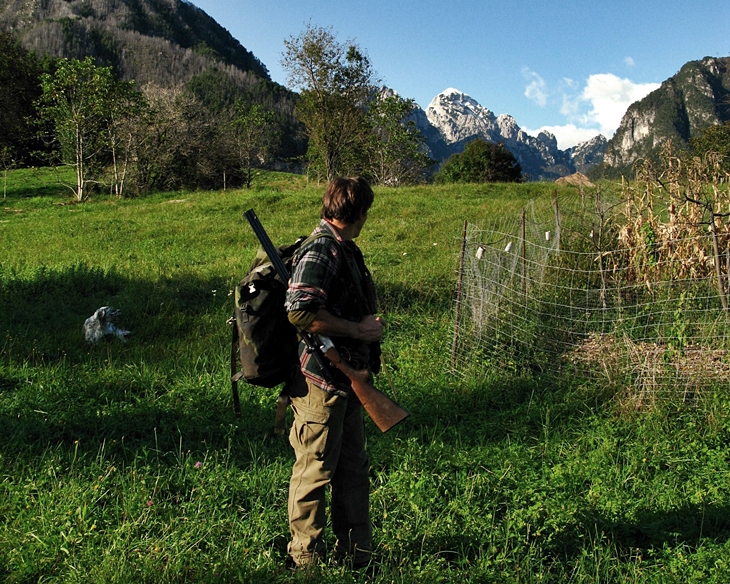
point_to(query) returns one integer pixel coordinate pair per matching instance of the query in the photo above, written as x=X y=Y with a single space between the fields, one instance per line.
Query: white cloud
x=535 y=90
x=610 y=96
x=629 y=62
x=597 y=108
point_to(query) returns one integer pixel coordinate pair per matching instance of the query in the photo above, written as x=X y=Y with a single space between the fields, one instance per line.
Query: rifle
x=383 y=410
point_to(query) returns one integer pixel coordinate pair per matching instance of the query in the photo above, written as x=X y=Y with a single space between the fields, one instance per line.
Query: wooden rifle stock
x=383 y=410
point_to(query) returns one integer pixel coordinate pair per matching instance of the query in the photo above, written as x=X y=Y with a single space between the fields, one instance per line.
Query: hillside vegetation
x=165 y=42
x=124 y=462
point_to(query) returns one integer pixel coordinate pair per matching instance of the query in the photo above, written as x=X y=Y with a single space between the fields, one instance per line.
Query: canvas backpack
x=264 y=345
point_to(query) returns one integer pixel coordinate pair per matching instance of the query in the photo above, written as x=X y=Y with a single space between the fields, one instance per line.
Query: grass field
x=124 y=462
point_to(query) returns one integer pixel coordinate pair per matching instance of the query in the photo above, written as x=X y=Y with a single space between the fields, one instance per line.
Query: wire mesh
x=555 y=291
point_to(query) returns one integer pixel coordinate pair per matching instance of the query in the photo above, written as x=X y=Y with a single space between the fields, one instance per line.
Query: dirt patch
x=647 y=370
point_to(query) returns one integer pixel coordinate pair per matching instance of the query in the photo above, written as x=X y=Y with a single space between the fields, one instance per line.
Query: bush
x=480 y=162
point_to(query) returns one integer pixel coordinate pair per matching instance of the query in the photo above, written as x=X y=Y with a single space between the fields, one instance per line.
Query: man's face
x=359 y=224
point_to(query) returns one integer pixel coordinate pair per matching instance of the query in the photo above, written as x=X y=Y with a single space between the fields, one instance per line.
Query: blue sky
x=572 y=67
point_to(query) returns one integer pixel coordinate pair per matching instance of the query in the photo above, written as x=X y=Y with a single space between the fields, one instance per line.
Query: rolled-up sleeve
x=301 y=318
x=312 y=275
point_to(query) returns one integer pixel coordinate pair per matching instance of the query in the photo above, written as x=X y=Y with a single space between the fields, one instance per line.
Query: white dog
x=100 y=325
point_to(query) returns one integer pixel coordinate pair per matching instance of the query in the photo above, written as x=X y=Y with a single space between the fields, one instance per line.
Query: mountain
x=697 y=97
x=165 y=42
x=588 y=155
x=453 y=119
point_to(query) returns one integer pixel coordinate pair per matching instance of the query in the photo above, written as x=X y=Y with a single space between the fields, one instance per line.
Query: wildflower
x=198 y=464
x=149 y=503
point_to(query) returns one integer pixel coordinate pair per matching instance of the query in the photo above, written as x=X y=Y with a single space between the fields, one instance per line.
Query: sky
x=571 y=67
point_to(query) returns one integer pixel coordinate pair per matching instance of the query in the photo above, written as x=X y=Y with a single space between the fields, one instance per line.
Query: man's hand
x=370 y=329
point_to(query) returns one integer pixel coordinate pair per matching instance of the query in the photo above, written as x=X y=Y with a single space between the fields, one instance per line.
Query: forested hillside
x=166 y=43
x=193 y=74
x=159 y=41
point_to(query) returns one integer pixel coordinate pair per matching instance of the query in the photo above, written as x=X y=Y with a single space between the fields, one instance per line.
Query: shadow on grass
x=507 y=404
x=686 y=525
x=168 y=384
x=42 y=313
x=433 y=296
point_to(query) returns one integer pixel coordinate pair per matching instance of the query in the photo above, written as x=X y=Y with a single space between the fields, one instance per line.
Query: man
x=331 y=293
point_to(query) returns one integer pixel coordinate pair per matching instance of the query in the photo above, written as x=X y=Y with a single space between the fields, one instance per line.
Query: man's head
x=347 y=200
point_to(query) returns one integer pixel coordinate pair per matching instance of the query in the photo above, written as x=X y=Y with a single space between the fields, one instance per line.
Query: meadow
x=124 y=462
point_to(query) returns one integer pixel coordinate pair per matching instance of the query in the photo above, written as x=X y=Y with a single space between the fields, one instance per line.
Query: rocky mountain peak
x=453 y=119
x=459 y=116
x=508 y=127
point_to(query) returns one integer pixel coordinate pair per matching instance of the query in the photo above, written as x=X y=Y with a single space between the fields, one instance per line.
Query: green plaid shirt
x=322 y=277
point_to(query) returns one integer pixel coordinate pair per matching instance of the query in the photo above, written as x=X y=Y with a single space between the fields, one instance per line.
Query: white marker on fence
x=480 y=252
x=509 y=247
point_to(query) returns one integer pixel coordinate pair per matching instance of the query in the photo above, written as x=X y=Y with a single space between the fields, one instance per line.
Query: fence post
x=524 y=258
x=459 y=288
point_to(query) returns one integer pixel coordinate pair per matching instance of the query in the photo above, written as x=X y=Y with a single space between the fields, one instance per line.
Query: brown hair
x=347 y=199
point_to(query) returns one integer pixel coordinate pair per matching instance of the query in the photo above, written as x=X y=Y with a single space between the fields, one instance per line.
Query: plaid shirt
x=314 y=269
x=321 y=278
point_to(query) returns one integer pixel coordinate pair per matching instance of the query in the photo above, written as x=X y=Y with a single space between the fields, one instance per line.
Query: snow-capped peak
x=458 y=116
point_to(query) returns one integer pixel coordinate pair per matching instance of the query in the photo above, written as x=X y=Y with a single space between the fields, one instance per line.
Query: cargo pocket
x=309 y=433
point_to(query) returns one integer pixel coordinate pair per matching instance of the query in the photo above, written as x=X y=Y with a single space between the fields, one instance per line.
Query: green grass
x=123 y=462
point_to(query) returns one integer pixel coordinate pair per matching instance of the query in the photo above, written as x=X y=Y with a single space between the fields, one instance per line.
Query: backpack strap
x=234 y=366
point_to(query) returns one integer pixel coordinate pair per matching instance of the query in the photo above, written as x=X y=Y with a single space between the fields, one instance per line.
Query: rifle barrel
x=268 y=246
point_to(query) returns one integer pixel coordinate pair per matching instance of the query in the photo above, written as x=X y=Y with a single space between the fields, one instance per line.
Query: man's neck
x=345 y=230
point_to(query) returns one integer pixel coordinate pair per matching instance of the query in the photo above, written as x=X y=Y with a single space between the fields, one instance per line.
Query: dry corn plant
x=673 y=235
x=676 y=223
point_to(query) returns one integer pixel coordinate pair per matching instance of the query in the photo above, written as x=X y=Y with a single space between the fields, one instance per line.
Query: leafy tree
x=481 y=161
x=395 y=147
x=181 y=144
x=336 y=81
x=80 y=100
x=20 y=83
x=252 y=136
x=714 y=139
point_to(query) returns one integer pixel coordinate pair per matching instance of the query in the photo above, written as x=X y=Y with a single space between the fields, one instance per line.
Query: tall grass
x=123 y=462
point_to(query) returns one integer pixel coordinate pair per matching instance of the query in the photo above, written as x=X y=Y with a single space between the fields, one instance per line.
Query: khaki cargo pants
x=328 y=437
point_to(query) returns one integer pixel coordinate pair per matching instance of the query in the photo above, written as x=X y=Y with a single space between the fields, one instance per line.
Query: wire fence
x=583 y=287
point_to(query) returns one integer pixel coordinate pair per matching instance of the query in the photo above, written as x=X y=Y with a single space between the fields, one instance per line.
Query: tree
x=336 y=81
x=80 y=100
x=714 y=139
x=252 y=137
x=181 y=145
x=395 y=147
x=19 y=80
x=481 y=161
x=127 y=110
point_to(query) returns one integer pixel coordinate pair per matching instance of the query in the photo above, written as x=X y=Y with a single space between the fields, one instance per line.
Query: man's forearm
x=325 y=323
